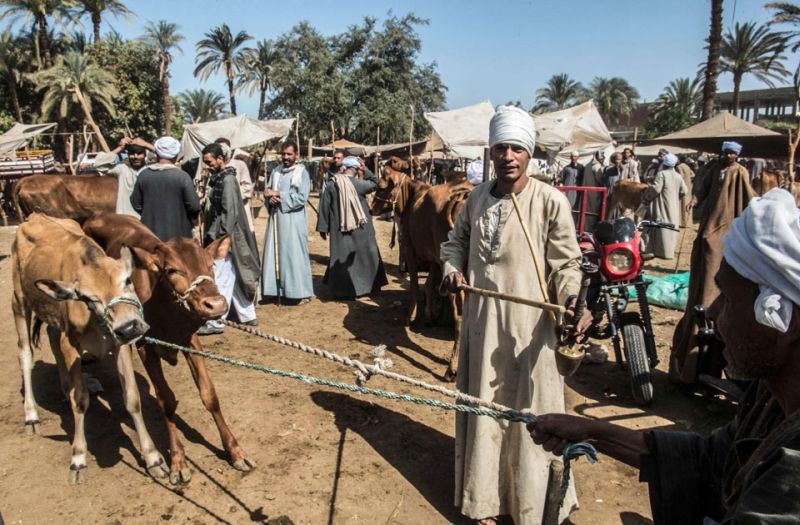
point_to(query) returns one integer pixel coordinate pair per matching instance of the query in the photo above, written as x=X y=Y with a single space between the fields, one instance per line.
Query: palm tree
x=11 y=63
x=755 y=50
x=38 y=11
x=164 y=37
x=614 y=97
x=258 y=70
x=77 y=41
x=678 y=106
x=75 y=80
x=561 y=92
x=712 y=63
x=96 y=8
x=221 y=51
x=787 y=13
x=200 y=105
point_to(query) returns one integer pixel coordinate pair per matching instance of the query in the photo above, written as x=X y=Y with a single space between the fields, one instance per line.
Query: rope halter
x=181 y=298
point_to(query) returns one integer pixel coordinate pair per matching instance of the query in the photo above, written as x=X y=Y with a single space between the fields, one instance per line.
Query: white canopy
x=579 y=128
x=20 y=134
x=242 y=131
x=464 y=131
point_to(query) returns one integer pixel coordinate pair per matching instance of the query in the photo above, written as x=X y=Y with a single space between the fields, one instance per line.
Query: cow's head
x=104 y=285
x=389 y=193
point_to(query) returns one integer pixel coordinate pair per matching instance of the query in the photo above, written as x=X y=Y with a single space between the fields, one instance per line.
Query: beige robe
x=245 y=187
x=507 y=350
x=105 y=163
x=664 y=204
x=687 y=174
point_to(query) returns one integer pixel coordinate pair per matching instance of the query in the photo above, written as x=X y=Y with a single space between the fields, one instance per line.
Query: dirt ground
x=323 y=456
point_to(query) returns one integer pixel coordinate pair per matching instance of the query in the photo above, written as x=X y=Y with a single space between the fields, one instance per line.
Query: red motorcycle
x=613 y=262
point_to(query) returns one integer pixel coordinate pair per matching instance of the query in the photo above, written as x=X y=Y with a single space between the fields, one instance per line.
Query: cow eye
x=128 y=281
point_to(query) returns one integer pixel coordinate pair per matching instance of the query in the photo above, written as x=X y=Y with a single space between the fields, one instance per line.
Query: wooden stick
x=410 y=141
x=513 y=298
x=297 y=134
x=539 y=273
x=553 y=493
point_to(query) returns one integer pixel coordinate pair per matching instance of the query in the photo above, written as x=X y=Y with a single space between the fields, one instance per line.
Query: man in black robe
x=749 y=470
x=355 y=267
x=164 y=195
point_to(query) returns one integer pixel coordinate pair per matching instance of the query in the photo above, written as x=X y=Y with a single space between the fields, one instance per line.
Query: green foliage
x=221 y=52
x=560 y=92
x=614 y=97
x=200 y=105
x=6 y=121
x=678 y=107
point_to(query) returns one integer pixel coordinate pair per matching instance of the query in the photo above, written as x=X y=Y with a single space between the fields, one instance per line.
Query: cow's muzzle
x=130 y=331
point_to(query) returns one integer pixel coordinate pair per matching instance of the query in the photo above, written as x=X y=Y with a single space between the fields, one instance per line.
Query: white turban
x=763 y=246
x=511 y=125
x=167 y=148
x=670 y=160
x=351 y=162
x=475 y=172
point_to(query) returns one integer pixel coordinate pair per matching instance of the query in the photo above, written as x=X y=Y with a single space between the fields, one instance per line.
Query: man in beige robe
x=664 y=199
x=686 y=174
x=507 y=350
x=125 y=171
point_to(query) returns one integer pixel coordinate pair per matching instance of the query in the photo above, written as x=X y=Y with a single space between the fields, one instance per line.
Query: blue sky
x=498 y=51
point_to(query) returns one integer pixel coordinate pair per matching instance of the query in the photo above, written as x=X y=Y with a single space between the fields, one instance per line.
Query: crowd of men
x=516 y=234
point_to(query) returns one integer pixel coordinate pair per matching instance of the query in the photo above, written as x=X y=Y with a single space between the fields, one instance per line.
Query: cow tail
x=35 y=332
x=17 y=205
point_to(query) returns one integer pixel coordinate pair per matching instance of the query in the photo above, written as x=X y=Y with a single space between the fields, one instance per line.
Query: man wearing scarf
x=724 y=193
x=237 y=274
x=242 y=176
x=164 y=195
x=125 y=171
x=663 y=201
x=508 y=350
x=630 y=166
x=286 y=195
x=749 y=470
x=355 y=267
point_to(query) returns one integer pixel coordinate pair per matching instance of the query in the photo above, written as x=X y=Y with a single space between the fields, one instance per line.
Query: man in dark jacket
x=164 y=195
x=237 y=274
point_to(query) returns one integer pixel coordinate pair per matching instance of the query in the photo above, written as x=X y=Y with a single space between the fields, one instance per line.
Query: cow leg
x=179 y=472
x=413 y=288
x=22 y=322
x=210 y=400
x=130 y=393
x=79 y=400
x=457 y=303
x=429 y=288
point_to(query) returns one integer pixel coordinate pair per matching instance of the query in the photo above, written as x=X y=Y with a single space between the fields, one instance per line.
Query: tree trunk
x=262 y=102
x=232 y=95
x=12 y=89
x=737 y=85
x=166 y=102
x=96 y=24
x=44 y=42
x=712 y=63
x=88 y=114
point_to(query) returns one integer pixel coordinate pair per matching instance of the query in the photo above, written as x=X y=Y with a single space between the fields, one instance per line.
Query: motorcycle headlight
x=620 y=260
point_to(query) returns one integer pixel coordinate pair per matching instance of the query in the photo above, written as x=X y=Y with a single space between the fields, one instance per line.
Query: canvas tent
x=242 y=131
x=579 y=128
x=351 y=148
x=709 y=135
x=19 y=135
x=464 y=131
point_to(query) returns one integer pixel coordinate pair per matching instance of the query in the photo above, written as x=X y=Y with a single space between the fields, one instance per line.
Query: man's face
x=617 y=160
x=574 y=159
x=338 y=158
x=751 y=349
x=510 y=162
x=214 y=164
x=288 y=156
x=626 y=154
x=136 y=160
x=660 y=157
x=728 y=157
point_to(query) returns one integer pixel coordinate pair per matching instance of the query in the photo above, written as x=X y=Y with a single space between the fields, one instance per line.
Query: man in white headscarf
x=663 y=200
x=747 y=471
x=508 y=350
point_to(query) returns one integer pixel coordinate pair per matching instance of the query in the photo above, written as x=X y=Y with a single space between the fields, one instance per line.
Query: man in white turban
x=663 y=201
x=164 y=195
x=508 y=350
x=749 y=470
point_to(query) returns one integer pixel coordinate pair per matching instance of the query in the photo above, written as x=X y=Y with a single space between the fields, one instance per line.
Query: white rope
x=182 y=297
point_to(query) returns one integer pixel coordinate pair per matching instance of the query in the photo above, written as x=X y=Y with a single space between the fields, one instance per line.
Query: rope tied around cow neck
x=182 y=298
x=571 y=451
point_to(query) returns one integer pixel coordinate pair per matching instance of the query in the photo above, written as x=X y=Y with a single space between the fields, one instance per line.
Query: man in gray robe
x=571 y=175
x=125 y=171
x=663 y=201
x=747 y=471
x=237 y=274
x=164 y=195
x=242 y=176
x=355 y=267
x=286 y=195
x=508 y=350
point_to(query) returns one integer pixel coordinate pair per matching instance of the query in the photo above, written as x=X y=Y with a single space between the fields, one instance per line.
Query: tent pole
x=486 y=171
x=297 y=133
x=378 y=151
x=410 y=141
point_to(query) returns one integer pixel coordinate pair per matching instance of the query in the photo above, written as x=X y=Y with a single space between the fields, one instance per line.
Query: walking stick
x=276 y=248
x=680 y=250
x=513 y=298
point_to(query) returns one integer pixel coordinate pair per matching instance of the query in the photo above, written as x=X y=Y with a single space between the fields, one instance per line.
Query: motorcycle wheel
x=636 y=356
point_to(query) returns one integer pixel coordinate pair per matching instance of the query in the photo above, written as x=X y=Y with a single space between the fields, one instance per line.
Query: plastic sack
x=671 y=291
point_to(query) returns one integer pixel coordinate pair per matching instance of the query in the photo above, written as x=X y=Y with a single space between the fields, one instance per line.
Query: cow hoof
x=158 y=470
x=78 y=475
x=182 y=477
x=450 y=376
x=32 y=427
x=244 y=465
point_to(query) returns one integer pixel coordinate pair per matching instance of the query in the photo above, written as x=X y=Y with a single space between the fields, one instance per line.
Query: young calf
x=88 y=303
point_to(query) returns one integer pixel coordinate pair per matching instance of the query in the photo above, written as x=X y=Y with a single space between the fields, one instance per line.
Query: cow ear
x=126 y=257
x=219 y=249
x=58 y=290
x=150 y=261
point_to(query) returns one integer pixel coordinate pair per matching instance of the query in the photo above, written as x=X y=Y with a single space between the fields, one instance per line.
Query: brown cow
x=425 y=215
x=771 y=179
x=65 y=196
x=397 y=164
x=625 y=195
x=177 y=289
x=88 y=303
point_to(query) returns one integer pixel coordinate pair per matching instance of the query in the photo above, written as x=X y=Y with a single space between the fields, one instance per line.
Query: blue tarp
x=670 y=291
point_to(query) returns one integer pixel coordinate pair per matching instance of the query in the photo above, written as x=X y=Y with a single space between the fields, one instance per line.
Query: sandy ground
x=323 y=456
